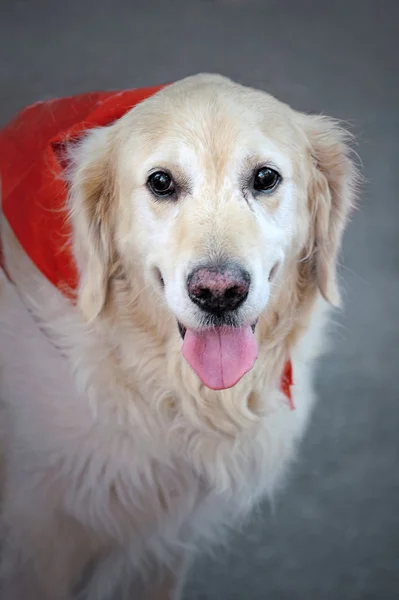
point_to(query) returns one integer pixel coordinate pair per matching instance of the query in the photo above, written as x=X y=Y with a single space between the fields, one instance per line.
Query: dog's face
x=211 y=191
x=216 y=204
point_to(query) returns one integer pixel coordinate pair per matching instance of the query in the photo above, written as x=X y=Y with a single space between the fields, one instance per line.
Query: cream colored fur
x=114 y=453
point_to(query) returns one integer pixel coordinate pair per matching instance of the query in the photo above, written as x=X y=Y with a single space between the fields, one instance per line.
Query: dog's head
x=211 y=194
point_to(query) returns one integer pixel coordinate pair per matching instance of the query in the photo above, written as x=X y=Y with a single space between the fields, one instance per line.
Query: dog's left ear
x=331 y=196
x=92 y=200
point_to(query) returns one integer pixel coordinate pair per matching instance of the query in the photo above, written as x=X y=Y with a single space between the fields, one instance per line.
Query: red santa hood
x=34 y=192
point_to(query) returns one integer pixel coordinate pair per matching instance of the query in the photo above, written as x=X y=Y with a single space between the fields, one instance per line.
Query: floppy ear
x=92 y=198
x=331 y=197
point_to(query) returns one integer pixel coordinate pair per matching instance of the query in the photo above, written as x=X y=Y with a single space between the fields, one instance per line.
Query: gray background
x=334 y=531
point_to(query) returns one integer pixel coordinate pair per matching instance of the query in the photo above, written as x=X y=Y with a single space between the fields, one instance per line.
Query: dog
x=157 y=377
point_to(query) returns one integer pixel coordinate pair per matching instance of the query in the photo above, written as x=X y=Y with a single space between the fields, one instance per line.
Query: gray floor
x=334 y=531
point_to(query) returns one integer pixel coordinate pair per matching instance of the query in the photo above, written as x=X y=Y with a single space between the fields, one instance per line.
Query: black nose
x=218 y=289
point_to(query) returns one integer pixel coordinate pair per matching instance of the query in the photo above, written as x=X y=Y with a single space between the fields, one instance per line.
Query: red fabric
x=33 y=190
x=287 y=382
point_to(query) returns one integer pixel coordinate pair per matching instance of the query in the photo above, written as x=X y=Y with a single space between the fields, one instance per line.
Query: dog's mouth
x=182 y=329
x=221 y=355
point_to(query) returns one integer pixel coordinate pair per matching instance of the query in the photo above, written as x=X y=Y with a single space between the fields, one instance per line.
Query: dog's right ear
x=92 y=206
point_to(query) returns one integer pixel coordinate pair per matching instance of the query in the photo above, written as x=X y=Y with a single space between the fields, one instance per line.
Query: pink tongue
x=220 y=356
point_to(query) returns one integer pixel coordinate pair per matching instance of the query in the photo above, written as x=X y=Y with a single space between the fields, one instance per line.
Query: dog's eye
x=161 y=184
x=266 y=180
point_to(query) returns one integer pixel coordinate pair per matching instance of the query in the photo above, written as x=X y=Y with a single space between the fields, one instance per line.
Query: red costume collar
x=286 y=383
x=33 y=189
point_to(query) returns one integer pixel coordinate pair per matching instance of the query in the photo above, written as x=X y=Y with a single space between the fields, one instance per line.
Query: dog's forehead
x=224 y=142
x=212 y=128
x=241 y=152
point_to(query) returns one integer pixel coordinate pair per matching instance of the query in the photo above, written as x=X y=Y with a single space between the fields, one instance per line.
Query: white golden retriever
x=144 y=420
